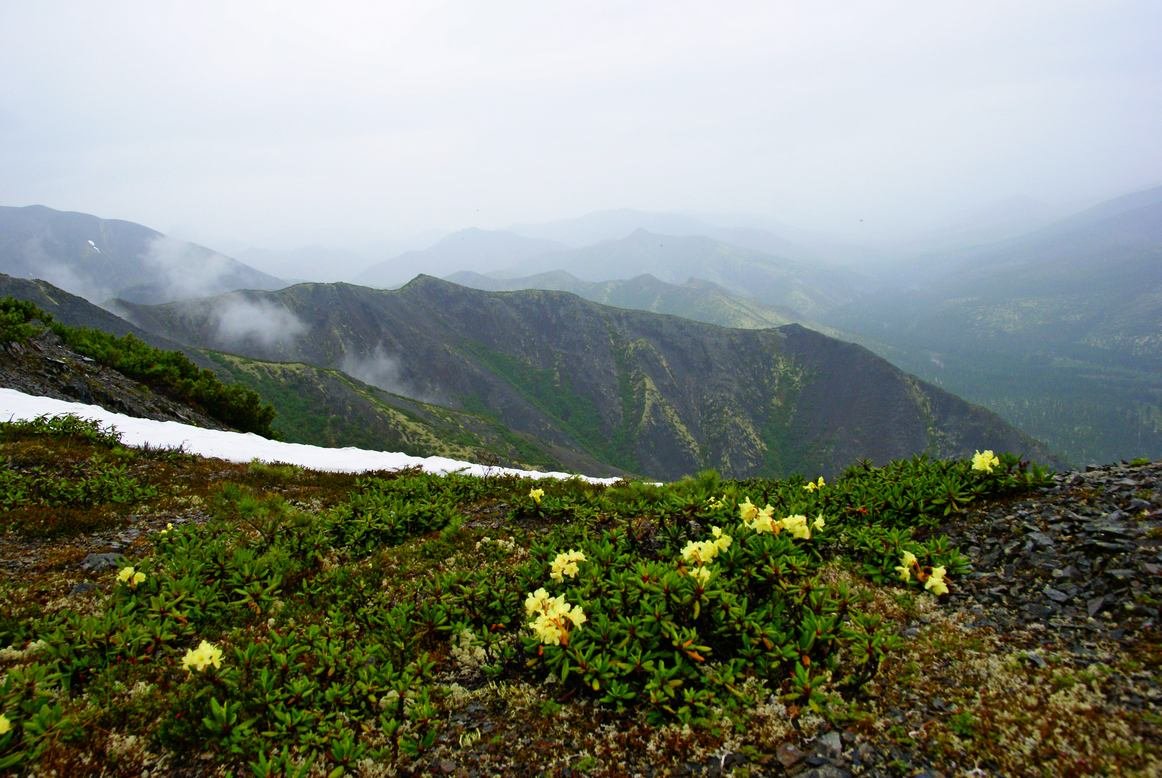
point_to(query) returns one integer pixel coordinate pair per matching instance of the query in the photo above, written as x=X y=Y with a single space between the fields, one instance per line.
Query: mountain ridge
x=650 y=393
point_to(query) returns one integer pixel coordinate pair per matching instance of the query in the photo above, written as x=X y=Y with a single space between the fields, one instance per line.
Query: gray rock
x=106 y=561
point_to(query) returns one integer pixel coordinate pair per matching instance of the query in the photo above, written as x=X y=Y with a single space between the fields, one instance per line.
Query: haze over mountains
x=104 y=258
x=1056 y=329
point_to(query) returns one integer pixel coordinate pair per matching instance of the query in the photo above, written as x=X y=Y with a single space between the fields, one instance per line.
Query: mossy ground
x=374 y=625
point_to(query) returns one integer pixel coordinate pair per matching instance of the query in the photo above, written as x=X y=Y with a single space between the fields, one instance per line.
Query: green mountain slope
x=326 y=407
x=313 y=405
x=645 y=393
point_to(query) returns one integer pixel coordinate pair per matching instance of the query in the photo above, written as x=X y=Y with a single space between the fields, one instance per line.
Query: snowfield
x=246 y=447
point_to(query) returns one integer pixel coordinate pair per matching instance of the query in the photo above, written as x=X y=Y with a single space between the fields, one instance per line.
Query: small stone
x=826 y=771
x=788 y=755
x=829 y=744
x=1041 y=539
x=1055 y=594
x=106 y=561
x=1036 y=659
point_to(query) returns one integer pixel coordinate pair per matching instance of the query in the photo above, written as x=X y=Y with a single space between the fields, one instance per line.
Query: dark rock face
x=44 y=367
x=649 y=394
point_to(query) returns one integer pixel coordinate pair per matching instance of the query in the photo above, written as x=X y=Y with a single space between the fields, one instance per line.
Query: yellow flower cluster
x=933 y=581
x=130 y=576
x=5 y=725
x=566 y=565
x=763 y=520
x=904 y=569
x=699 y=552
x=553 y=618
x=756 y=519
x=985 y=461
x=203 y=656
x=813 y=485
x=536 y=495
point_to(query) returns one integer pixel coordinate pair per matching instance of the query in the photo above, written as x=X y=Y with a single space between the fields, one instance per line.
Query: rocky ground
x=1055 y=637
x=44 y=367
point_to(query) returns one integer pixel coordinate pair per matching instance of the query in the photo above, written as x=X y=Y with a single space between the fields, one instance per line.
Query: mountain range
x=643 y=393
x=1057 y=330
x=488 y=249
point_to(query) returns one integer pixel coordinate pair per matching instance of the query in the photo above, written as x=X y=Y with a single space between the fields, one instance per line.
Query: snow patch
x=246 y=447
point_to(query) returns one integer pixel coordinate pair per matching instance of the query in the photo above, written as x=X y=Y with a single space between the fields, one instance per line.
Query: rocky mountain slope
x=644 y=393
x=313 y=405
x=103 y=258
x=45 y=367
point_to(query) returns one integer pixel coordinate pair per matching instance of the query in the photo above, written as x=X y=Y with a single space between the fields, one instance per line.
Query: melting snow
x=93 y=246
x=245 y=447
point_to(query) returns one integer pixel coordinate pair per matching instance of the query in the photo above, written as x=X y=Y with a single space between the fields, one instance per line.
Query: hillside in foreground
x=189 y=616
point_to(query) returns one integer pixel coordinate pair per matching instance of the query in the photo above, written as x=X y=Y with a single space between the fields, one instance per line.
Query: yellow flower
x=537 y=601
x=554 y=615
x=699 y=552
x=721 y=539
x=130 y=577
x=701 y=575
x=5 y=725
x=203 y=656
x=537 y=494
x=819 y=523
x=936 y=583
x=576 y=615
x=566 y=565
x=547 y=630
x=813 y=485
x=985 y=461
x=747 y=511
x=907 y=562
x=797 y=526
x=760 y=521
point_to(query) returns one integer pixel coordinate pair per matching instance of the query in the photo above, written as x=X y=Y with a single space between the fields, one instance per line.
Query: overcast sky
x=282 y=123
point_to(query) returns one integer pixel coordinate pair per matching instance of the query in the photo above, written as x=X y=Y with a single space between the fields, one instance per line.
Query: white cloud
x=268 y=324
